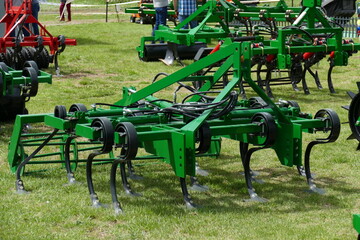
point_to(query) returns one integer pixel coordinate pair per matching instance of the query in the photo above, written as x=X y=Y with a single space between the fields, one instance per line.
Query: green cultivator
x=17 y=87
x=175 y=132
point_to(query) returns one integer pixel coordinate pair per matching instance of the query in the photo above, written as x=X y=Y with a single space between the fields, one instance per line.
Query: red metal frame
x=20 y=15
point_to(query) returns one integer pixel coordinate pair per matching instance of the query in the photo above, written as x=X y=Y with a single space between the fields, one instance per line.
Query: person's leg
x=68 y=7
x=62 y=5
x=157 y=21
x=193 y=24
x=35 y=13
x=162 y=15
x=181 y=19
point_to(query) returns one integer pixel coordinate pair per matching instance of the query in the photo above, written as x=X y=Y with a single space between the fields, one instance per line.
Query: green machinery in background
x=218 y=20
x=17 y=87
x=145 y=13
x=205 y=107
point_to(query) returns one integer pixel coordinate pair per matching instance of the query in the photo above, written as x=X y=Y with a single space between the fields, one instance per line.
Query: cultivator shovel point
x=19 y=43
x=176 y=132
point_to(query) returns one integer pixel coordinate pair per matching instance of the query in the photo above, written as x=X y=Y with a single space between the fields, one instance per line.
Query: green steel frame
x=174 y=141
x=17 y=87
x=168 y=131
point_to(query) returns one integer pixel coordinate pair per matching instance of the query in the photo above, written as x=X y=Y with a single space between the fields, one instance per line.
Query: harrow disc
x=42 y=58
x=20 y=58
x=129 y=146
x=354 y=113
x=9 y=57
x=106 y=129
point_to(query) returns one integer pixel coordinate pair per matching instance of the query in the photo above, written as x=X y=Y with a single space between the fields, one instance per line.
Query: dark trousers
x=68 y=9
x=35 y=8
x=160 y=17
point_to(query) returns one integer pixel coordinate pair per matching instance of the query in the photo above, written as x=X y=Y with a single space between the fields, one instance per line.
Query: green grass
x=104 y=61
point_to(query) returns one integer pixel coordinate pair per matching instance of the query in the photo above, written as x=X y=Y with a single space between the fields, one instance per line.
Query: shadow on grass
x=162 y=193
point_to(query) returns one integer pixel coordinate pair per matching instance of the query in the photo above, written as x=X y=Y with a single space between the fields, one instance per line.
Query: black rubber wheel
x=257 y=102
x=2 y=57
x=60 y=111
x=130 y=144
x=203 y=139
x=267 y=122
x=77 y=107
x=20 y=59
x=354 y=113
x=42 y=58
x=32 y=64
x=106 y=129
x=132 y=19
x=34 y=85
x=45 y=56
x=293 y=103
x=4 y=67
x=31 y=52
x=333 y=124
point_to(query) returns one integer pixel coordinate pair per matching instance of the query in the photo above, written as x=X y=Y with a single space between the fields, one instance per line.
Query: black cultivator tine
x=187 y=198
x=329 y=79
x=19 y=184
x=304 y=84
x=248 y=178
x=125 y=182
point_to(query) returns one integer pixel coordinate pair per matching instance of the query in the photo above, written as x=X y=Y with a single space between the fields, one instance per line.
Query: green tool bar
x=146 y=11
x=24 y=80
x=235 y=129
x=302 y=49
x=248 y=113
x=39 y=135
x=279 y=16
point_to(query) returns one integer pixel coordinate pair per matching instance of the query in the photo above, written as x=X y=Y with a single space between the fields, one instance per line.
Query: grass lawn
x=104 y=61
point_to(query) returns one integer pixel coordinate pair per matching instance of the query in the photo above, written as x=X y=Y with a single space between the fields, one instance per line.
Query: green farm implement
x=175 y=132
x=145 y=13
x=279 y=26
x=17 y=87
x=204 y=108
